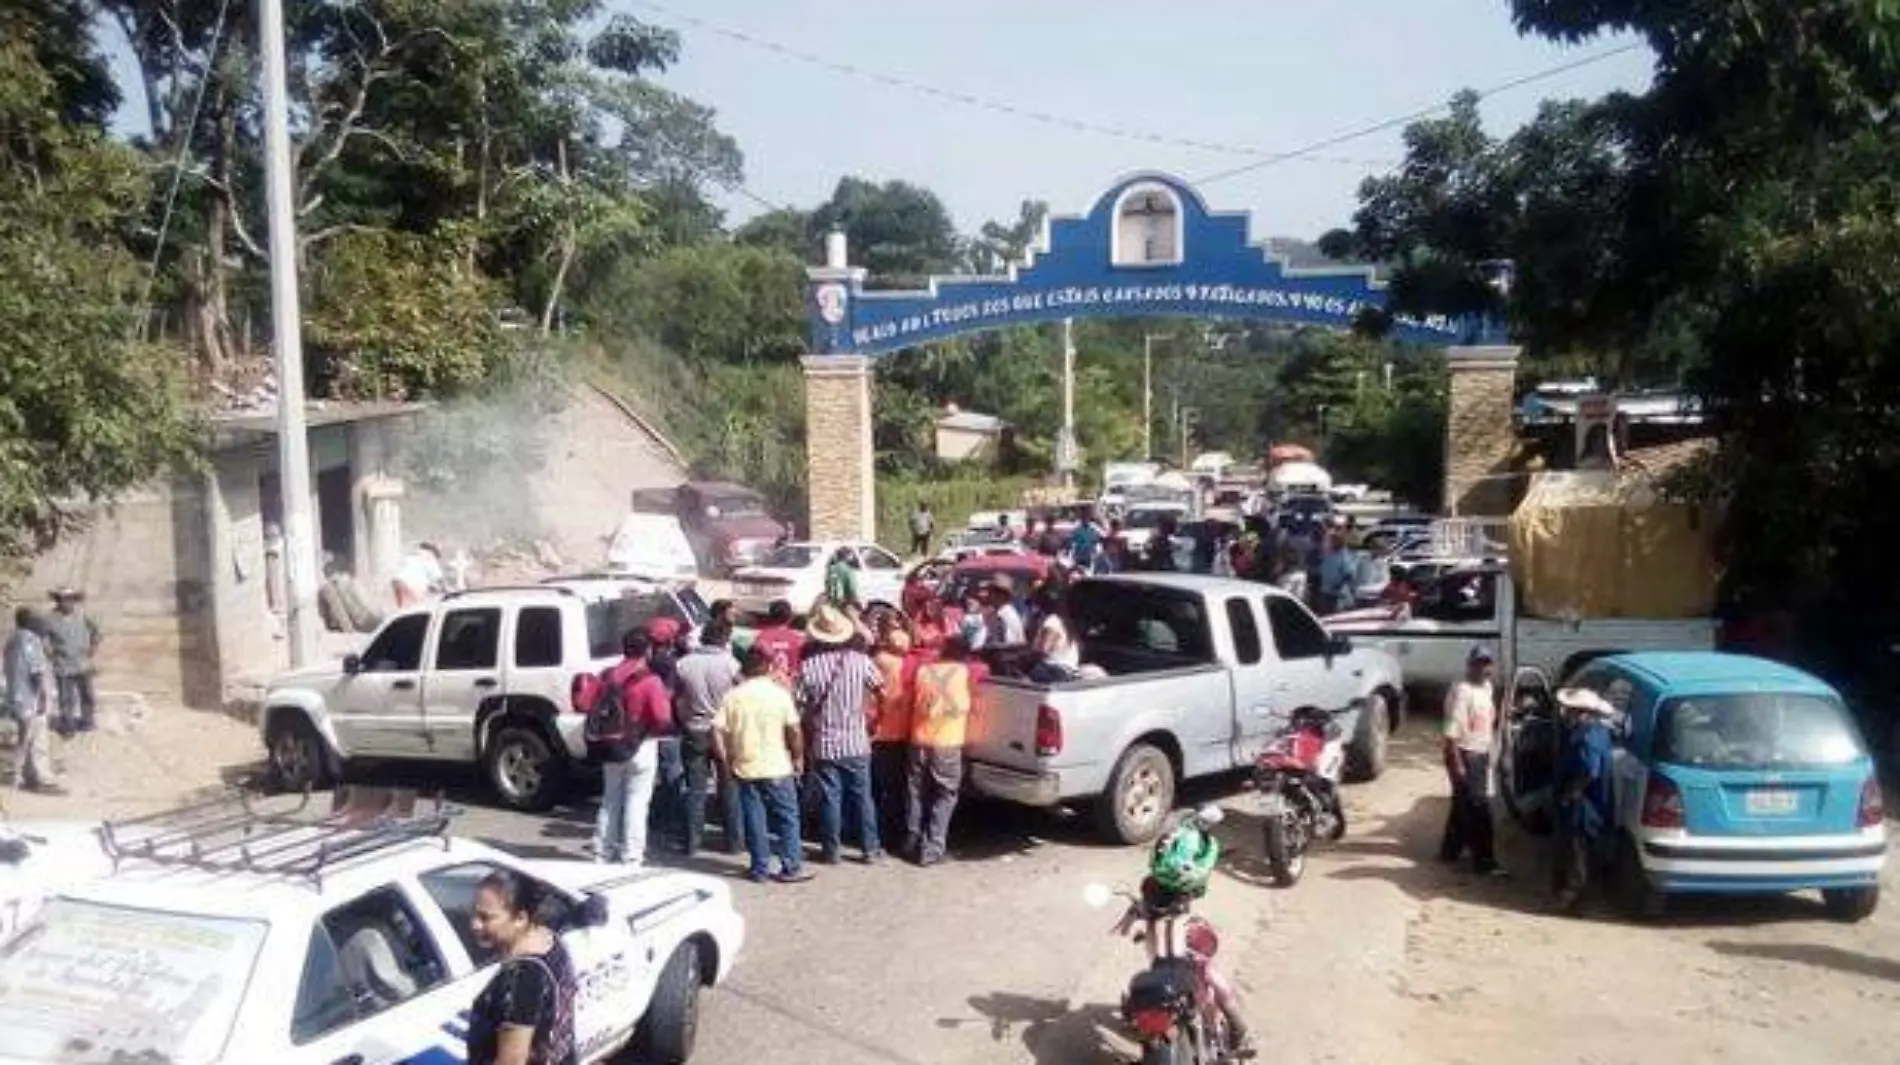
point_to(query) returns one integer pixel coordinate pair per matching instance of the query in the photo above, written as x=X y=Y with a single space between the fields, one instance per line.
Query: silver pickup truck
x=1202 y=673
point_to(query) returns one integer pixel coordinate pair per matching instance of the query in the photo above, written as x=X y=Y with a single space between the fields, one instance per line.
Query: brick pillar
x=1480 y=430
x=841 y=488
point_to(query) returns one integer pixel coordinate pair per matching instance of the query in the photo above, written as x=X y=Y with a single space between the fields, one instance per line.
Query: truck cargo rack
x=229 y=834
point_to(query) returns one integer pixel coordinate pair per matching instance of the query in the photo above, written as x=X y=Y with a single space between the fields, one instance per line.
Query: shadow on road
x=982 y=830
x=1851 y=962
x=1052 y=1030
x=1403 y=851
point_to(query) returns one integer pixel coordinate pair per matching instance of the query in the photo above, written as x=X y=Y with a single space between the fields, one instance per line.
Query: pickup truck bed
x=1203 y=672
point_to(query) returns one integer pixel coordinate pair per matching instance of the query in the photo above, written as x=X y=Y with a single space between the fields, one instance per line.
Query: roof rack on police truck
x=229 y=834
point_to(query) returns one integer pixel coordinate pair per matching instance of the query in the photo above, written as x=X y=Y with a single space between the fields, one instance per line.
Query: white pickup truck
x=478 y=677
x=1477 y=603
x=1202 y=673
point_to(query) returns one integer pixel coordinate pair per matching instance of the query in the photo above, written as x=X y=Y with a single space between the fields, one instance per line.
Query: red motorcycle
x=1298 y=775
x=1171 y=1007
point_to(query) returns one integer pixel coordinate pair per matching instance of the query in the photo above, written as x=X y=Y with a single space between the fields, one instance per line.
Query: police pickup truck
x=222 y=934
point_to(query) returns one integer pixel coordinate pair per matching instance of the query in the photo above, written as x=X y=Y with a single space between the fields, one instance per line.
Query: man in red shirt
x=778 y=639
x=628 y=774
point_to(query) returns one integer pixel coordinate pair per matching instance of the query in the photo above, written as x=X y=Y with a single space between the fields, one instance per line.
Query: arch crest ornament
x=1149 y=247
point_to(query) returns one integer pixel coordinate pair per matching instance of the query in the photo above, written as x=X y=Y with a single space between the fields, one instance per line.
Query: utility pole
x=1065 y=444
x=293 y=446
x=1148 y=393
x=1185 y=419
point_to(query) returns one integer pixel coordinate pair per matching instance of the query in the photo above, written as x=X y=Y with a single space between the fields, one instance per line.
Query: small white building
x=964 y=436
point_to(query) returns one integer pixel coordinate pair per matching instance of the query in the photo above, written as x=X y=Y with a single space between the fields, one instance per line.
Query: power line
x=1407 y=119
x=982 y=103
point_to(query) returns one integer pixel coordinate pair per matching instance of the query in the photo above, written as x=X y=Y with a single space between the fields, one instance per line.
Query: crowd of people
x=859 y=716
x=1313 y=560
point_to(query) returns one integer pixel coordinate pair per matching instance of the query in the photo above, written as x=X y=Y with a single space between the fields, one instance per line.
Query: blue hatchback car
x=1736 y=774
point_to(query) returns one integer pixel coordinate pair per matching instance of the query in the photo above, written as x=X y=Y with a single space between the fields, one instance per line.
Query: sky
x=1258 y=75
x=1255 y=77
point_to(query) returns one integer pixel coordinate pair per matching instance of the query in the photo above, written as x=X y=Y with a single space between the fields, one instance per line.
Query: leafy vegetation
x=1737 y=228
x=87 y=410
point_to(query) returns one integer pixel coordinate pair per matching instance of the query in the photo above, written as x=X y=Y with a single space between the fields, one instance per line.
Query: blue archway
x=1148 y=248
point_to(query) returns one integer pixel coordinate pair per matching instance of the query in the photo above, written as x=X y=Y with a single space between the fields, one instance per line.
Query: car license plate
x=1772 y=802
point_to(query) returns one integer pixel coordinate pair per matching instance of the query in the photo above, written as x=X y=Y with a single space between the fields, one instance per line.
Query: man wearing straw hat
x=72 y=638
x=837 y=686
x=1583 y=793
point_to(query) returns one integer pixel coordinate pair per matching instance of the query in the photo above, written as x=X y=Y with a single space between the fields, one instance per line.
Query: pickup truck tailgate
x=1039 y=744
x=1003 y=726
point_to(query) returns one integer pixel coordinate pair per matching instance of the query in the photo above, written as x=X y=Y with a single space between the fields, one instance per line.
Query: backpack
x=611 y=733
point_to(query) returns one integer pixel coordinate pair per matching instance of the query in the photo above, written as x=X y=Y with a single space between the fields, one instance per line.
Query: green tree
x=395 y=316
x=1740 y=220
x=785 y=229
x=900 y=232
x=1552 y=198
x=86 y=410
x=1002 y=245
x=714 y=302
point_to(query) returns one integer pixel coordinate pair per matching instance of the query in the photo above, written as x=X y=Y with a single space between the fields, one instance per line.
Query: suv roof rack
x=228 y=834
x=557 y=589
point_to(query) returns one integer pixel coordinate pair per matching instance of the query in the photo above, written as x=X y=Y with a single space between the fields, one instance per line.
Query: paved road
x=1380 y=955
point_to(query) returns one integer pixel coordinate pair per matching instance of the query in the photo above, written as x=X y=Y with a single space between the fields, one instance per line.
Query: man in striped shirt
x=837 y=686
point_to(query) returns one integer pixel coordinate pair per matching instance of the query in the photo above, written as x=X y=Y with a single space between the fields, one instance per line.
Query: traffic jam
x=1100 y=657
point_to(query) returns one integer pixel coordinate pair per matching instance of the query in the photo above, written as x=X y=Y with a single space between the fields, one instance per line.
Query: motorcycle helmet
x=1183 y=860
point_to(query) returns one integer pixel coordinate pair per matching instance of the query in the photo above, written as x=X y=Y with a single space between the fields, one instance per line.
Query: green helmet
x=1183 y=860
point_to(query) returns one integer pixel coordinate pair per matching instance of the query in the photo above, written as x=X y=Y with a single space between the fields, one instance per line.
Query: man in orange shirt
x=940 y=718
x=890 y=727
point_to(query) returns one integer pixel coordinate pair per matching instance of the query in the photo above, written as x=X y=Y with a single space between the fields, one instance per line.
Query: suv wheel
x=523 y=767
x=295 y=753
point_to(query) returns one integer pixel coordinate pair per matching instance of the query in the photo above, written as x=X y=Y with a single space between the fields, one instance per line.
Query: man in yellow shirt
x=756 y=736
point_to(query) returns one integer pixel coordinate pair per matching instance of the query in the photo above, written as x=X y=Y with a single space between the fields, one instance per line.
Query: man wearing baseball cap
x=1583 y=792
x=1470 y=721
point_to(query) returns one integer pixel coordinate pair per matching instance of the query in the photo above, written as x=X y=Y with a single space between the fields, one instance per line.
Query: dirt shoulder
x=141 y=758
x=1424 y=963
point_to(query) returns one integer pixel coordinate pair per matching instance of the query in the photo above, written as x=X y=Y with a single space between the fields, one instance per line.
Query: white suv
x=481 y=676
x=226 y=936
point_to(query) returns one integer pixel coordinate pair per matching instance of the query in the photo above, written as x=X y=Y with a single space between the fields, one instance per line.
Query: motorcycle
x=1170 y=1007
x=1298 y=776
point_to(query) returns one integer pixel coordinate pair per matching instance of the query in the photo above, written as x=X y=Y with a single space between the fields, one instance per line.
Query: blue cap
x=1480 y=653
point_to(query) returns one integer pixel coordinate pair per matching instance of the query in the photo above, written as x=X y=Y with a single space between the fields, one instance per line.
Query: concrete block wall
x=144 y=566
x=838 y=453
x=248 y=638
x=1480 y=431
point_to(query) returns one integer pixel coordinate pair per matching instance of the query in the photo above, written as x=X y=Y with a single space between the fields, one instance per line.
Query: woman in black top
x=525 y=1016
